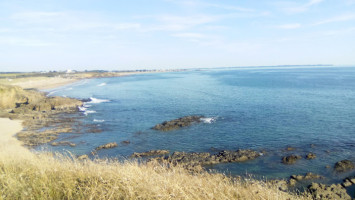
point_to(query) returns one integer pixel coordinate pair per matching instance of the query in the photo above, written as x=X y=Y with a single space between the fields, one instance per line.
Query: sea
x=309 y=108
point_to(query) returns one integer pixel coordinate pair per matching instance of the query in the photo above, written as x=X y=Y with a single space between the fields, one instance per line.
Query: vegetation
x=25 y=175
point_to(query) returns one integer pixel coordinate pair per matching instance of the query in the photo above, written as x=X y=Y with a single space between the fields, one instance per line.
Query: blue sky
x=116 y=34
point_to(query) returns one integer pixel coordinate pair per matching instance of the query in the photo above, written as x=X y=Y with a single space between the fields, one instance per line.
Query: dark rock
x=343 y=166
x=107 y=146
x=177 y=123
x=290 y=159
x=63 y=143
x=308 y=176
x=190 y=158
x=321 y=191
x=237 y=156
x=126 y=142
x=150 y=153
x=347 y=183
x=310 y=156
x=208 y=159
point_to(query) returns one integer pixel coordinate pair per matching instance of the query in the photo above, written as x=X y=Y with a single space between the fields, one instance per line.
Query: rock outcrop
x=63 y=143
x=107 y=146
x=205 y=158
x=334 y=191
x=37 y=111
x=348 y=182
x=308 y=176
x=343 y=166
x=290 y=159
x=150 y=153
x=310 y=156
x=177 y=123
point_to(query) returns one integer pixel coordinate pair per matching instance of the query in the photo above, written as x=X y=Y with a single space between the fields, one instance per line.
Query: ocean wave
x=82 y=108
x=89 y=112
x=101 y=84
x=98 y=120
x=95 y=100
x=208 y=120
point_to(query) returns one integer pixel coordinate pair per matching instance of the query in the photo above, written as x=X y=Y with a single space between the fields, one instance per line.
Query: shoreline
x=52 y=80
x=13 y=127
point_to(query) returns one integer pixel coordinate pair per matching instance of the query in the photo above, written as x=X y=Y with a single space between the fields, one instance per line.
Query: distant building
x=69 y=71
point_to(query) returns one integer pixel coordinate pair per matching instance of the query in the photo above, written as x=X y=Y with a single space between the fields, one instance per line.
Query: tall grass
x=28 y=175
x=24 y=175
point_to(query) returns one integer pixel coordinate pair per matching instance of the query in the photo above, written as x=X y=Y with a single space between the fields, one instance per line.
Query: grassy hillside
x=27 y=176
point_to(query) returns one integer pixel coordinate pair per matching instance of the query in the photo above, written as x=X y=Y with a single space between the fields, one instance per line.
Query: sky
x=40 y=35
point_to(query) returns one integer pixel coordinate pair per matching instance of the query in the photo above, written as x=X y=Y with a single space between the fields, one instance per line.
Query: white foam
x=89 y=112
x=94 y=100
x=101 y=84
x=98 y=120
x=208 y=120
x=82 y=108
x=50 y=93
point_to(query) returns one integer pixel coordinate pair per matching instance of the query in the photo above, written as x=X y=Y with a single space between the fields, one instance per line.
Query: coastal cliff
x=37 y=111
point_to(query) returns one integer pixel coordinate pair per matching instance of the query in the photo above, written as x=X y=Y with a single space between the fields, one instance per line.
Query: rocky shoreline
x=45 y=118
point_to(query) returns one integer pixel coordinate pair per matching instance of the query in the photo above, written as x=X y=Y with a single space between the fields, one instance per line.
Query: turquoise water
x=251 y=108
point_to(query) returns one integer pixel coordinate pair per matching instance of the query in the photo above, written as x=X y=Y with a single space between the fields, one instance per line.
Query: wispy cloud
x=293 y=8
x=20 y=41
x=68 y=21
x=340 y=18
x=179 y=23
x=190 y=35
x=197 y=3
x=339 y=32
x=289 y=26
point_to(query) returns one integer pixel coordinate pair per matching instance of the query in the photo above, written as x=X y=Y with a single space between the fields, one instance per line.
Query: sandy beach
x=45 y=83
x=8 y=129
x=9 y=145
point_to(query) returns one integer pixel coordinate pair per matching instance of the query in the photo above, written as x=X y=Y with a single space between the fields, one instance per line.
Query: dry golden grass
x=29 y=176
x=25 y=175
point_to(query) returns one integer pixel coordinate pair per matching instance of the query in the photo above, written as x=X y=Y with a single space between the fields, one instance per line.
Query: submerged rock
x=308 y=176
x=126 y=142
x=150 y=153
x=290 y=159
x=177 y=123
x=63 y=143
x=310 y=156
x=334 y=191
x=107 y=146
x=343 y=166
x=290 y=149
